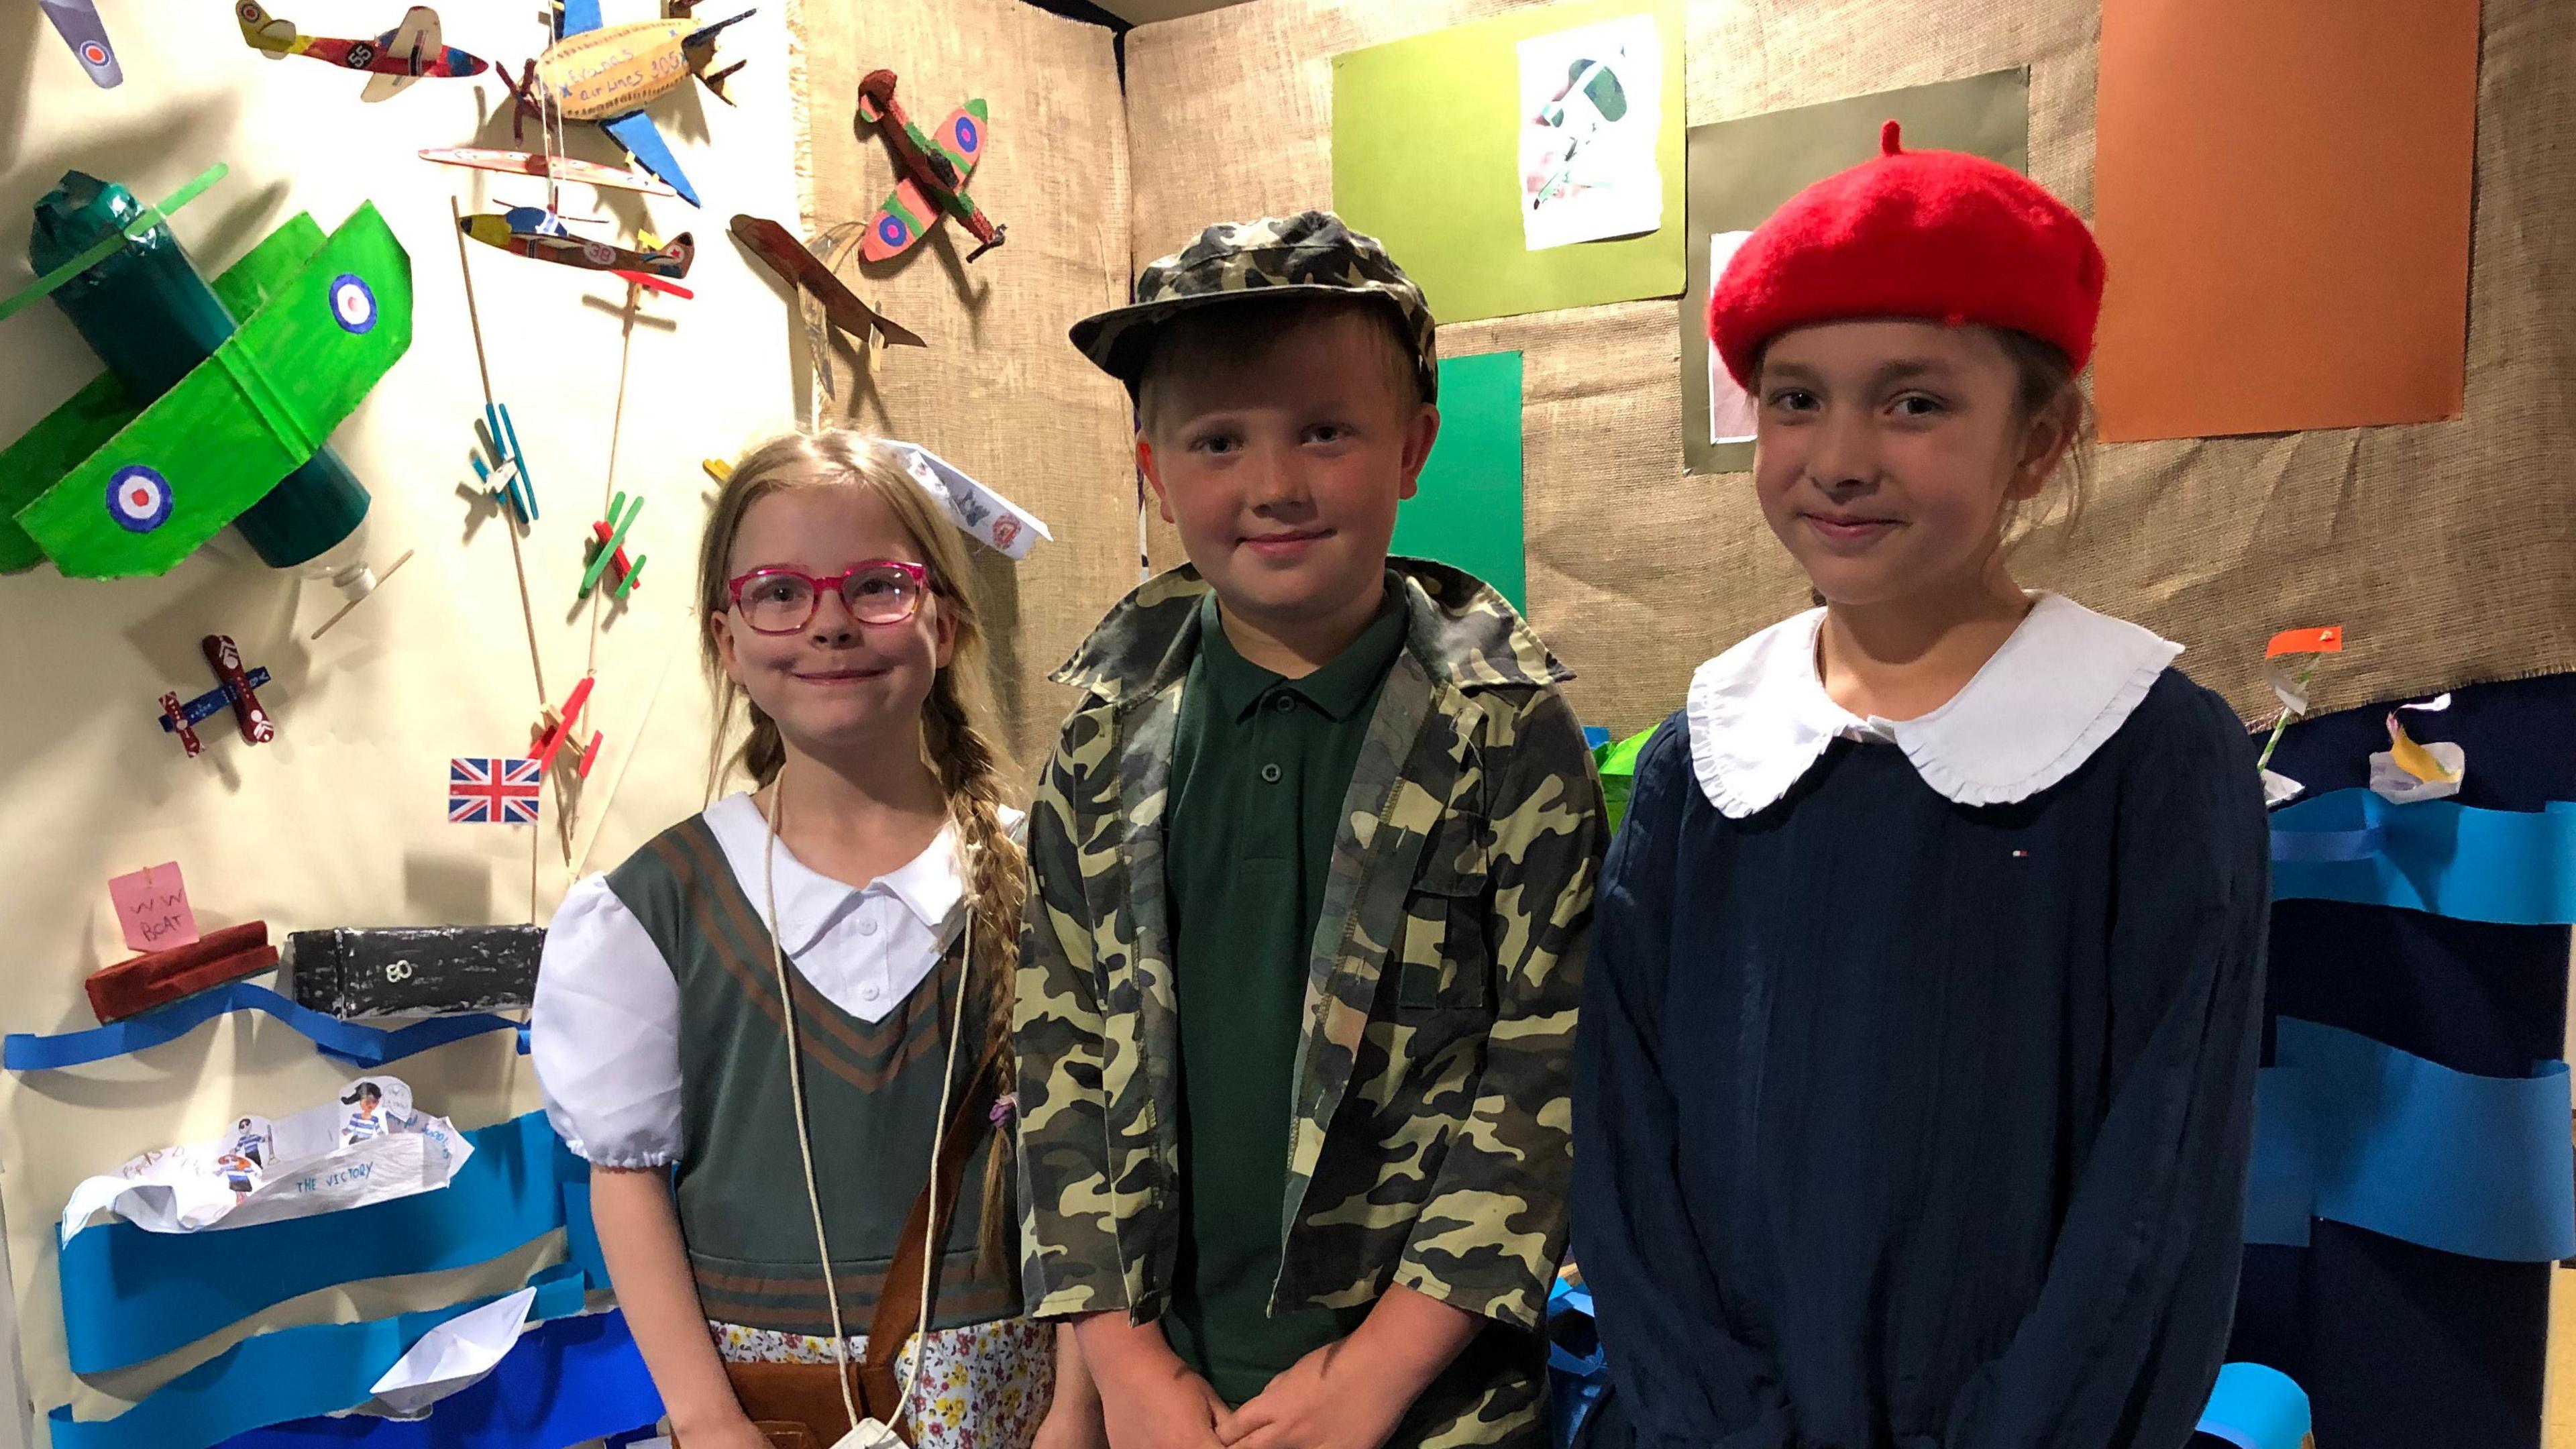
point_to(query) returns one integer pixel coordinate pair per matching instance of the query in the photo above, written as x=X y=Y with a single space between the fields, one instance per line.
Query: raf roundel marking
x=93 y=52
x=891 y=231
x=969 y=139
x=138 y=499
x=353 y=303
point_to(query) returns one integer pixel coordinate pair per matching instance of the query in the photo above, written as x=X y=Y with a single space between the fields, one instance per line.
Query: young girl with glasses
x=736 y=1147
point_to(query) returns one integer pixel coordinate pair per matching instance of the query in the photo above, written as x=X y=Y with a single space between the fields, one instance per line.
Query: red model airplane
x=934 y=171
x=556 y=730
x=233 y=686
x=392 y=61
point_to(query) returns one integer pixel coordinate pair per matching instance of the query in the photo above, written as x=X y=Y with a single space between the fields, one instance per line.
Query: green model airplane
x=111 y=485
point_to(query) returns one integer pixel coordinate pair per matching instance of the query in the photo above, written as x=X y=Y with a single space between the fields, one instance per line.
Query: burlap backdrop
x=999 y=392
x=2448 y=549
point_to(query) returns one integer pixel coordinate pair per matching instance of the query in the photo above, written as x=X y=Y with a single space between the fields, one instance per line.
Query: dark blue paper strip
x=363 y=1046
x=130 y=1295
x=2357 y=1131
x=293 y=1373
x=568 y=1382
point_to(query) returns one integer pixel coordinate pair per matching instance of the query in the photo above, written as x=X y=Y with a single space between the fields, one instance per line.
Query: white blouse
x=604 y=1029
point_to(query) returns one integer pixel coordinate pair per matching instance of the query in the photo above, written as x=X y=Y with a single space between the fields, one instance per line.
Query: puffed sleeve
x=604 y=1033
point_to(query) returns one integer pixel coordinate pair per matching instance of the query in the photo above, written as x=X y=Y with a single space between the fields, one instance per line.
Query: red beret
x=1940 y=235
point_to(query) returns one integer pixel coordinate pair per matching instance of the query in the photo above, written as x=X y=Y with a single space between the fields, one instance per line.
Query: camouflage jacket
x=1431 y=1146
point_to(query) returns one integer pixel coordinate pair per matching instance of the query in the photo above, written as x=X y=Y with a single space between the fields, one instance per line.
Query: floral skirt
x=984 y=1386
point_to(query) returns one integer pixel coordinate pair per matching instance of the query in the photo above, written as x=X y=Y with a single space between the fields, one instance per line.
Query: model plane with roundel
x=110 y=486
x=391 y=61
x=932 y=173
x=534 y=232
x=77 y=22
x=609 y=74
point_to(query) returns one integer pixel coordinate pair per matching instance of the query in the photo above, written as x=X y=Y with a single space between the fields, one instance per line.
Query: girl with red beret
x=1918 y=1042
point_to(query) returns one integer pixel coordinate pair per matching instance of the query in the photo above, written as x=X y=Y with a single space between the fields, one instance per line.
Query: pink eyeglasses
x=783 y=601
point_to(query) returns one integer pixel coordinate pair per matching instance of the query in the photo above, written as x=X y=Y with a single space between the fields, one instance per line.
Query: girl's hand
x=734 y=1431
x=1070 y=1425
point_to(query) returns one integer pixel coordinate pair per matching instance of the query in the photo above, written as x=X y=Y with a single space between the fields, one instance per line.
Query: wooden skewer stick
x=518 y=560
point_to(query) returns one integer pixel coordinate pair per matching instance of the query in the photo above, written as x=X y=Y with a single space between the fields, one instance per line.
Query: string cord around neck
x=804 y=1138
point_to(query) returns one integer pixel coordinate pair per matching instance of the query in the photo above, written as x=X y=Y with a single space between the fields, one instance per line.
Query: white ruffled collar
x=2064 y=682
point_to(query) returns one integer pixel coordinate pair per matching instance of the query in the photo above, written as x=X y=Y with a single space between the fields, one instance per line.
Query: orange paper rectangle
x=2328 y=640
x=2281 y=190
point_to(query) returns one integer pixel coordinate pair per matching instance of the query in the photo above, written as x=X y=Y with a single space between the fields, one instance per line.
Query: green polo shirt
x=1260 y=764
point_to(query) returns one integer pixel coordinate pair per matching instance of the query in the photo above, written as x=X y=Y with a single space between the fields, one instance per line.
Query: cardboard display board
x=1638 y=572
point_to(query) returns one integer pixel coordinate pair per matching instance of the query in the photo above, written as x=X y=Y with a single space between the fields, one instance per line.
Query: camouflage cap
x=1310 y=254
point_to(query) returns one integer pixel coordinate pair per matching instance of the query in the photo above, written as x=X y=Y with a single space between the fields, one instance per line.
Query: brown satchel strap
x=899 y=1302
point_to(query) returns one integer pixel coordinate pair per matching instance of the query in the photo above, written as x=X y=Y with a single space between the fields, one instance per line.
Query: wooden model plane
x=934 y=169
x=234 y=686
x=110 y=485
x=532 y=231
x=610 y=74
x=552 y=168
x=781 y=252
x=77 y=22
x=555 y=729
x=392 y=60
x=608 y=551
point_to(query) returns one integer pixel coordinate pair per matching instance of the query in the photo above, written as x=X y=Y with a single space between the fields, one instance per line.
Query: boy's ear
x=1419 y=435
x=1153 y=472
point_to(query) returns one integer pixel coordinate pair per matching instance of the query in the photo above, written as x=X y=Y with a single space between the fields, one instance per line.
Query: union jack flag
x=493 y=792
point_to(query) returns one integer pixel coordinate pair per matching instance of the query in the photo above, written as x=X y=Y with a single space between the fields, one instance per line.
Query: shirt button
x=1270 y=774
x=867 y=926
x=1283 y=703
x=869 y=993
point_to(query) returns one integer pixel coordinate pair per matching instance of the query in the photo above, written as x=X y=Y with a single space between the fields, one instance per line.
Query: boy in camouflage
x=1313 y=868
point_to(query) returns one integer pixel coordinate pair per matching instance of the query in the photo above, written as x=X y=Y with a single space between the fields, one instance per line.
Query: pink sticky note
x=152 y=908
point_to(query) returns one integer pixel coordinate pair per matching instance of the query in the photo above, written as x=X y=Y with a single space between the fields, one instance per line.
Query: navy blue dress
x=1901 y=1124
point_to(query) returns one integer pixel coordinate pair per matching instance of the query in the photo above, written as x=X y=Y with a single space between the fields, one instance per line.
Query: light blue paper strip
x=293 y=1373
x=2358 y=1132
x=130 y=1295
x=2256 y=1407
x=2513 y=867
x=347 y=1041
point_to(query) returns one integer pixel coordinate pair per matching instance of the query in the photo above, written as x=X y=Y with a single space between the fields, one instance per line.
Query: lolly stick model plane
x=233 y=686
x=77 y=22
x=392 y=61
x=610 y=74
x=934 y=169
x=538 y=234
x=608 y=552
x=799 y=268
x=148 y=462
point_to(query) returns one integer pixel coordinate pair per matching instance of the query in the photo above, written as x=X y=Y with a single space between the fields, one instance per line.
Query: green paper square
x=1426 y=159
x=1467 y=512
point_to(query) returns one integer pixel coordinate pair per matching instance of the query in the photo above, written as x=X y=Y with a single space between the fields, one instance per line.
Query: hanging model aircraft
x=77 y=22
x=782 y=253
x=207 y=425
x=544 y=167
x=532 y=231
x=933 y=171
x=391 y=61
x=610 y=74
